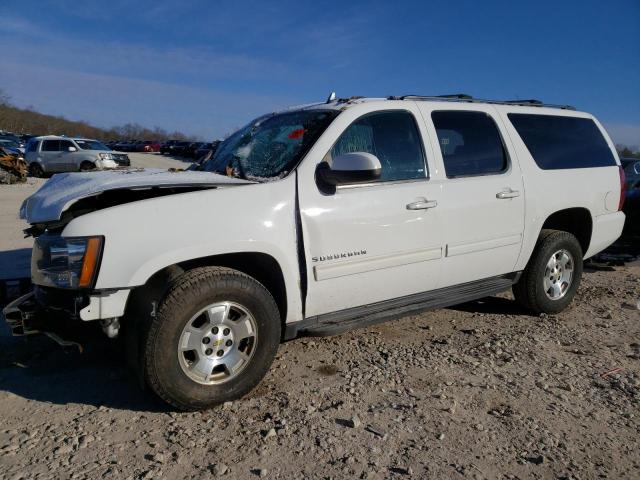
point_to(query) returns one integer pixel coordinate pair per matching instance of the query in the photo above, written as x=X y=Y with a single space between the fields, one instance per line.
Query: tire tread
x=200 y=279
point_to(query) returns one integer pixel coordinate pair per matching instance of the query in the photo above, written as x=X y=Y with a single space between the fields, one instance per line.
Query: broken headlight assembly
x=61 y=262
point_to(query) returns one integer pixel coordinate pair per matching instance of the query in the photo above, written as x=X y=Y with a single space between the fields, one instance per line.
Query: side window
x=65 y=144
x=470 y=143
x=393 y=137
x=557 y=142
x=50 y=146
x=32 y=146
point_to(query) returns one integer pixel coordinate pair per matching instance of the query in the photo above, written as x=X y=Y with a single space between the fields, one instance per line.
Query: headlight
x=105 y=156
x=66 y=262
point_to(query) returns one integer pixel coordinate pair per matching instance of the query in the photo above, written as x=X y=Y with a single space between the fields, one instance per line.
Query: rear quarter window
x=557 y=142
x=32 y=146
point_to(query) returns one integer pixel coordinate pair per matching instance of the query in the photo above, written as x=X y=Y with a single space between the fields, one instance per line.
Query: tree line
x=626 y=152
x=26 y=120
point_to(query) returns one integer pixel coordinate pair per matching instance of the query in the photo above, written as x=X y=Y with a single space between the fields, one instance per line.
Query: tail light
x=623 y=188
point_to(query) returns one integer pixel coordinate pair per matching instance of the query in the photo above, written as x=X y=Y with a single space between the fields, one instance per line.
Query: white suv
x=53 y=154
x=320 y=219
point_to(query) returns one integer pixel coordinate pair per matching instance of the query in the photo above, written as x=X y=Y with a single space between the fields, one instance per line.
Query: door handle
x=422 y=205
x=508 y=193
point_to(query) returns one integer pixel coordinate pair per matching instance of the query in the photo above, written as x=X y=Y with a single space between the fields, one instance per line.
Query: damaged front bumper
x=25 y=316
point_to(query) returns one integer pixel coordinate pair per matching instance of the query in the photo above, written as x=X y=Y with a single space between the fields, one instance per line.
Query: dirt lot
x=482 y=390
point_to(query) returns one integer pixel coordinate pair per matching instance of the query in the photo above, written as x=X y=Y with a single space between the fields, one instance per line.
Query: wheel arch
x=261 y=266
x=576 y=221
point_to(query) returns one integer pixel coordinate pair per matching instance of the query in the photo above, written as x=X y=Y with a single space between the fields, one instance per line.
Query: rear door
x=483 y=196
x=49 y=154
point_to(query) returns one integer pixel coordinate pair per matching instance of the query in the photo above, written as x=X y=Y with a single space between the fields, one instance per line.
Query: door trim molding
x=463 y=248
x=369 y=264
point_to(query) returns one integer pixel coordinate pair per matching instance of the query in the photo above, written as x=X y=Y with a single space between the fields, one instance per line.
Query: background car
x=190 y=150
x=11 y=144
x=53 y=154
x=631 y=206
x=178 y=148
x=205 y=148
x=165 y=147
x=631 y=168
x=150 y=146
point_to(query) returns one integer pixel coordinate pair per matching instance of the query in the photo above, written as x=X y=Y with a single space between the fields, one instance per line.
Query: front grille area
x=122 y=159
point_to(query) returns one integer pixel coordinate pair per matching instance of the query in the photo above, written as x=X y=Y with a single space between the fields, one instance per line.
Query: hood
x=61 y=191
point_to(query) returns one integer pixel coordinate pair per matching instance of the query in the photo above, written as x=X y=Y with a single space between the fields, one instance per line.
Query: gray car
x=54 y=154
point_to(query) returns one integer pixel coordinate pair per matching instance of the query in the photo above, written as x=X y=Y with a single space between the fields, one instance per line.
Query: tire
x=171 y=372
x=87 y=166
x=36 y=170
x=531 y=289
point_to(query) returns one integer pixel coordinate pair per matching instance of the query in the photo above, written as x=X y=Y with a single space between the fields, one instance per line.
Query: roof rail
x=462 y=97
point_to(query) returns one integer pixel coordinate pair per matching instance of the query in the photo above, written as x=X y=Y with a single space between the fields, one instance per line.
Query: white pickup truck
x=316 y=220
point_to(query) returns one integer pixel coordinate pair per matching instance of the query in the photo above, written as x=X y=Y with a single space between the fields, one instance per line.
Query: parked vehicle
x=10 y=144
x=13 y=168
x=205 y=148
x=190 y=149
x=632 y=194
x=178 y=149
x=150 y=146
x=165 y=146
x=53 y=154
x=317 y=220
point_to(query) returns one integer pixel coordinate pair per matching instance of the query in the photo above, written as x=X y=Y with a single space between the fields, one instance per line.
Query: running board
x=344 y=320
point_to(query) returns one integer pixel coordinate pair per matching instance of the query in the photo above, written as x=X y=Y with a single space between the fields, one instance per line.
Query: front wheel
x=87 y=166
x=552 y=276
x=36 y=170
x=213 y=339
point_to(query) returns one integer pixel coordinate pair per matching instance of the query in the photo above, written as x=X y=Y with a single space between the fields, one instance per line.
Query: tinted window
x=32 y=146
x=65 y=144
x=50 y=146
x=470 y=143
x=562 y=142
x=392 y=137
x=91 y=145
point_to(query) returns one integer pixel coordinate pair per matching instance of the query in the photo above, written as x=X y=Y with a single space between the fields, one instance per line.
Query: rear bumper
x=606 y=230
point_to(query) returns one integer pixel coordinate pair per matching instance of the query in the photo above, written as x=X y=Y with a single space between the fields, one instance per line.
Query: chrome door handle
x=508 y=193
x=422 y=205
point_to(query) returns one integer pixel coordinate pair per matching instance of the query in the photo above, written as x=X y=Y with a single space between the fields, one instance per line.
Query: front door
x=373 y=242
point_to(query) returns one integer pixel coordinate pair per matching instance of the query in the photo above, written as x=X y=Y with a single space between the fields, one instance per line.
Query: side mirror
x=636 y=167
x=72 y=149
x=349 y=168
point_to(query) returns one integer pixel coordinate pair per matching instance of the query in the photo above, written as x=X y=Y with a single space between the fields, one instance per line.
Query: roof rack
x=463 y=97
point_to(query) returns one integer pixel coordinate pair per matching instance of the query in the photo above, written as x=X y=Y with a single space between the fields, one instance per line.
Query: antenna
x=331 y=97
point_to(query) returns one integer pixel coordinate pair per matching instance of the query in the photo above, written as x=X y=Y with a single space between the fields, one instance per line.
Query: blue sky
x=207 y=67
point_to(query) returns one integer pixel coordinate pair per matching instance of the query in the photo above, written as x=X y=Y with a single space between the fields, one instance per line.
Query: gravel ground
x=482 y=390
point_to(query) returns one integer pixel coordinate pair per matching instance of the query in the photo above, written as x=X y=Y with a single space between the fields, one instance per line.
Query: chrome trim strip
x=461 y=249
x=361 y=265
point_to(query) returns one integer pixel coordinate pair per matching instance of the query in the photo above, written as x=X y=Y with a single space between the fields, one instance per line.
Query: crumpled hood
x=64 y=189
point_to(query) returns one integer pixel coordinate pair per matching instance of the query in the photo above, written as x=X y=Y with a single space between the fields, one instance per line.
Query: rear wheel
x=213 y=339
x=552 y=276
x=36 y=170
